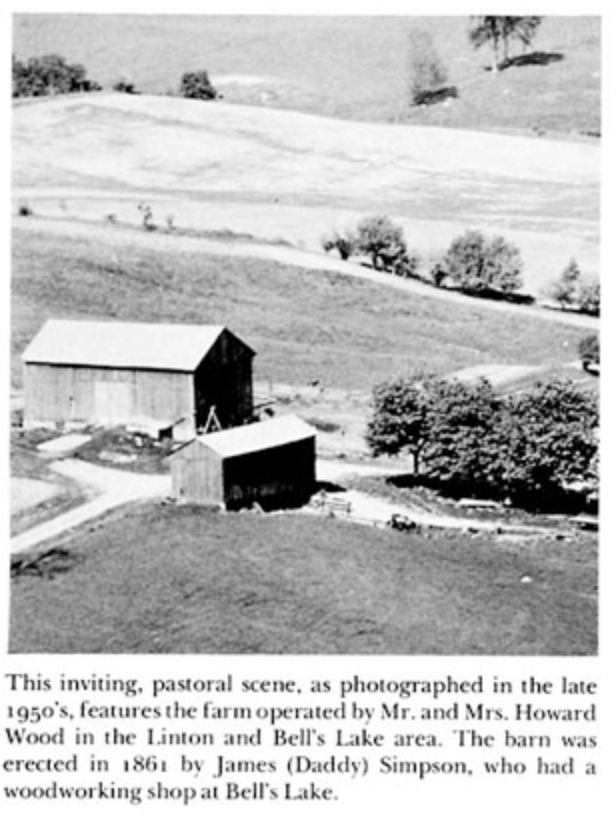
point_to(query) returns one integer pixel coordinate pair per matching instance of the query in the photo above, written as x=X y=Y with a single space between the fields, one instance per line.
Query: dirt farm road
x=112 y=488
x=113 y=235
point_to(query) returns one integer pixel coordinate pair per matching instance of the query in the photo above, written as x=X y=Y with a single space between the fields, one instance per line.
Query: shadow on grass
x=535 y=58
x=554 y=499
x=434 y=97
x=46 y=564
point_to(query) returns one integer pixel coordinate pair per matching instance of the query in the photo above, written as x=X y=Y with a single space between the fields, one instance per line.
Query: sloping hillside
x=291 y=176
x=344 y=66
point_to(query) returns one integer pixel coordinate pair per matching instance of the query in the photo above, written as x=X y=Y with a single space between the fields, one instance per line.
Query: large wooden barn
x=160 y=377
x=270 y=462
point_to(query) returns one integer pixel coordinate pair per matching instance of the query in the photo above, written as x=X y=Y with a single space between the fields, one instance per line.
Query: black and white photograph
x=305 y=349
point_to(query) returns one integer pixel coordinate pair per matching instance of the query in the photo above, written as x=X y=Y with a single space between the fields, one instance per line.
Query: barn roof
x=155 y=346
x=258 y=436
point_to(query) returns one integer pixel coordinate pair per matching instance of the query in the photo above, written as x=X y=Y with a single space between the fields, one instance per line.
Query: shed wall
x=109 y=396
x=196 y=475
x=276 y=476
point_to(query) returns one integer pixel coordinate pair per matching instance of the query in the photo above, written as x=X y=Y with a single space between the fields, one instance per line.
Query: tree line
x=52 y=74
x=530 y=448
x=474 y=263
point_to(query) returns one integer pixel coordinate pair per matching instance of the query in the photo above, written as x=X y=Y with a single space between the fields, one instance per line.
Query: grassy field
x=304 y=325
x=343 y=66
x=171 y=579
x=286 y=176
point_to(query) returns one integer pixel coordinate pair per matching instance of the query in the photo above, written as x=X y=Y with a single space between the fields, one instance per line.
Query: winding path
x=113 y=488
x=117 y=235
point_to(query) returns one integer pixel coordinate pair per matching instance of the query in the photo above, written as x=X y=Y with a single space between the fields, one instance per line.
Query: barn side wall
x=56 y=393
x=196 y=475
x=277 y=477
x=223 y=380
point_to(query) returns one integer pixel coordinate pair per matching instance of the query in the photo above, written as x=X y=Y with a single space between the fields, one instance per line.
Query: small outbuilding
x=270 y=462
x=158 y=377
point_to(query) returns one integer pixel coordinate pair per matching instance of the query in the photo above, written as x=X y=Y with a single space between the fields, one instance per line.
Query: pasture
x=306 y=325
x=164 y=579
x=355 y=67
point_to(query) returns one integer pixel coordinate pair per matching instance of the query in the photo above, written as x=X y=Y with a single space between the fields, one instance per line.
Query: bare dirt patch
x=27 y=493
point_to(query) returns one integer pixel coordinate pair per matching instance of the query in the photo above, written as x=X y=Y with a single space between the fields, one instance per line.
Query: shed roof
x=258 y=436
x=111 y=344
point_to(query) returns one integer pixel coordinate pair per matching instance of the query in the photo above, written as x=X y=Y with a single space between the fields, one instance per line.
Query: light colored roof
x=258 y=436
x=156 y=346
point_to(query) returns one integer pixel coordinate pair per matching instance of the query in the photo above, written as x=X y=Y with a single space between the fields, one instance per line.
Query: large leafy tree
x=400 y=419
x=553 y=437
x=49 y=74
x=383 y=241
x=529 y=446
x=464 y=439
x=477 y=263
x=499 y=31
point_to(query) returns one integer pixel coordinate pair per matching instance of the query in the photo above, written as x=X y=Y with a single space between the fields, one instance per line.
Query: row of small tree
x=52 y=74
x=475 y=263
x=528 y=447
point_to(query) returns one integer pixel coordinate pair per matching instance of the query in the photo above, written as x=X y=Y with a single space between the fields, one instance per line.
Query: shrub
x=564 y=290
x=478 y=264
x=589 y=297
x=122 y=86
x=589 y=350
x=407 y=264
x=50 y=74
x=438 y=274
x=343 y=242
x=197 y=85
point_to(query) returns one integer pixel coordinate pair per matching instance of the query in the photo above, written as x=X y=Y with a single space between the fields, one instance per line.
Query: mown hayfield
x=183 y=579
x=304 y=325
x=288 y=176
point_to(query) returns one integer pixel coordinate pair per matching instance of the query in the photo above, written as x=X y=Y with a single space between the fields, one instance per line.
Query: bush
x=589 y=350
x=343 y=242
x=478 y=264
x=197 y=85
x=122 y=86
x=564 y=290
x=589 y=298
x=50 y=74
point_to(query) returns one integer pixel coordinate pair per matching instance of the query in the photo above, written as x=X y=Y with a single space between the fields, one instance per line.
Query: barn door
x=112 y=402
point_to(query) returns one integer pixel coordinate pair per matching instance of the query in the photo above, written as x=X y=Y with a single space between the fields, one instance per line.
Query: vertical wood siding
x=56 y=393
x=196 y=475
